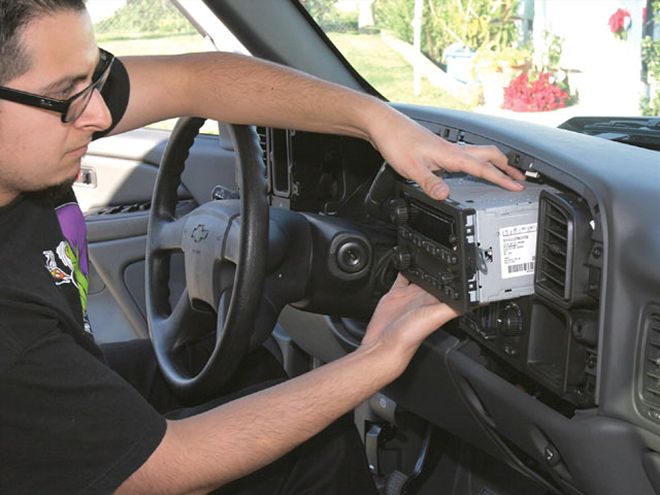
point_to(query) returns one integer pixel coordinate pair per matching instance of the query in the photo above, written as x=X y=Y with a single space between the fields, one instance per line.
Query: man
x=68 y=423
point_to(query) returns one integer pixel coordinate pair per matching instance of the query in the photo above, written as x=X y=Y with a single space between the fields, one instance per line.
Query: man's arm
x=244 y=90
x=203 y=452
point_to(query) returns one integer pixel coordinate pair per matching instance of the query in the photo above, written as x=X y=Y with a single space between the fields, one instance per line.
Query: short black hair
x=14 y=16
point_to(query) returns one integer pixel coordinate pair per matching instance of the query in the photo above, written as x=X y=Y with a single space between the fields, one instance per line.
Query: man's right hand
x=404 y=317
x=203 y=452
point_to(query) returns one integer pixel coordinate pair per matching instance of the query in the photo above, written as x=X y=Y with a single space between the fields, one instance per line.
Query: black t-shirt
x=68 y=423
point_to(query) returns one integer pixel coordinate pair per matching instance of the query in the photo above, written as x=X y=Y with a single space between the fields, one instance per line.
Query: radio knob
x=510 y=321
x=399 y=213
x=402 y=259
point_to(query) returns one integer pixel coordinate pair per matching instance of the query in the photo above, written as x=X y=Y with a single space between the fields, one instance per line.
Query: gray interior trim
x=119 y=226
x=276 y=30
x=110 y=260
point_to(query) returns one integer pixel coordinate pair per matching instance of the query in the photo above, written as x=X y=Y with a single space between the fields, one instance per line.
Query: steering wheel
x=224 y=245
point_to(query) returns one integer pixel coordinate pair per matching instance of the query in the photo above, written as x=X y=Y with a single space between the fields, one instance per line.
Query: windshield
x=543 y=61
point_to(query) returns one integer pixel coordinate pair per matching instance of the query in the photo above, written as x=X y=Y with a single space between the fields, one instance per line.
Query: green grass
x=136 y=44
x=384 y=68
x=389 y=72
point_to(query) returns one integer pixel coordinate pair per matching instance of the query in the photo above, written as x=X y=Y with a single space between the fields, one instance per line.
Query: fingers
x=423 y=321
x=437 y=189
x=489 y=163
x=401 y=281
x=433 y=185
x=485 y=162
x=436 y=315
x=492 y=155
x=494 y=175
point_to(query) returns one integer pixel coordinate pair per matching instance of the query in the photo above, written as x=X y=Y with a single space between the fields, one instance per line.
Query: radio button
x=488 y=334
x=405 y=233
x=510 y=350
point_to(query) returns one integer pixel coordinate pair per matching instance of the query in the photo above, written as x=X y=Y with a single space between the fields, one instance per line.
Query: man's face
x=37 y=150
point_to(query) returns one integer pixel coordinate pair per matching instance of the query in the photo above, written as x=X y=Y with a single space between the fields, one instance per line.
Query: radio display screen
x=431 y=224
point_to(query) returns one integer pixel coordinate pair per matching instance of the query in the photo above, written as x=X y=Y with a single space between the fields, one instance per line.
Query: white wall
x=609 y=81
x=100 y=9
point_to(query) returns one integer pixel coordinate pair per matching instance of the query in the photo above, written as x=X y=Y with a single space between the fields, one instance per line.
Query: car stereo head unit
x=476 y=247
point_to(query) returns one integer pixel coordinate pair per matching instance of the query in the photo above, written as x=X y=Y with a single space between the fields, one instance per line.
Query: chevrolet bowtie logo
x=199 y=233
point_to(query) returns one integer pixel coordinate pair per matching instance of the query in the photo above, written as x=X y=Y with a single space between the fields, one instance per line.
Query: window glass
x=543 y=61
x=154 y=27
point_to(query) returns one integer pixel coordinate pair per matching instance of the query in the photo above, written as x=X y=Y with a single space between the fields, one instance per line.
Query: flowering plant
x=535 y=95
x=620 y=23
x=542 y=87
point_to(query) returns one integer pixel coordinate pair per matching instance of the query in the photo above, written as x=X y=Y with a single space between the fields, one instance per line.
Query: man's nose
x=96 y=114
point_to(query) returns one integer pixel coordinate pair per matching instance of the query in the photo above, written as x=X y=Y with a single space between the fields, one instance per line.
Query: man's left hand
x=416 y=153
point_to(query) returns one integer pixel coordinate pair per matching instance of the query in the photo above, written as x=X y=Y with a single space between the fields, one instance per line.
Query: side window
x=157 y=27
x=144 y=27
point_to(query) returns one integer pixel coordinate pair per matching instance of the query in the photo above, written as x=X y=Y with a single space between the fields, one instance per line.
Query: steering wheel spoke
x=169 y=235
x=177 y=318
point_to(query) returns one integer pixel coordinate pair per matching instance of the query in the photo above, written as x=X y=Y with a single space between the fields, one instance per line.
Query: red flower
x=619 y=21
x=539 y=95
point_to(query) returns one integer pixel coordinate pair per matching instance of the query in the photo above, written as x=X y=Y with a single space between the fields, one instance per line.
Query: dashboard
x=554 y=365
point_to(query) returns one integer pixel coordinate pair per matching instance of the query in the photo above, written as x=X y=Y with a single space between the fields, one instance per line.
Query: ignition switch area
x=350 y=256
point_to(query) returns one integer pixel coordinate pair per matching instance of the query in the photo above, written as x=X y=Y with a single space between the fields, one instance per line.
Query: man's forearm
x=209 y=450
x=244 y=90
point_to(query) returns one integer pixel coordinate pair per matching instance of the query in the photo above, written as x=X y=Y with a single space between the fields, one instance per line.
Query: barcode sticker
x=518 y=249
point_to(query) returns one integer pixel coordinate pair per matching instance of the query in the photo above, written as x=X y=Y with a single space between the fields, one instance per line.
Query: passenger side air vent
x=553 y=260
x=563 y=248
x=650 y=364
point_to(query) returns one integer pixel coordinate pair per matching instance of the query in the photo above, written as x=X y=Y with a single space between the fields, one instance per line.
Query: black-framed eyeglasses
x=73 y=107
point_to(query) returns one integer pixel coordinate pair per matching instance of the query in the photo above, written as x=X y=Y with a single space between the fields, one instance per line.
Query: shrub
x=534 y=95
x=650 y=104
x=541 y=87
x=329 y=17
x=395 y=16
x=472 y=23
x=157 y=17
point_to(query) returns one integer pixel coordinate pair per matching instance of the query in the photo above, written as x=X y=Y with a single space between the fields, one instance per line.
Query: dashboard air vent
x=553 y=261
x=650 y=364
x=563 y=249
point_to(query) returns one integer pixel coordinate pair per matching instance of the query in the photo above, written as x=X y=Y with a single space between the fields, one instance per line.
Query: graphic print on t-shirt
x=70 y=274
x=67 y=263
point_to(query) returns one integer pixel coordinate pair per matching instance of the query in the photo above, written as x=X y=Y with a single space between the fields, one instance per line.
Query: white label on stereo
x=518 y=248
